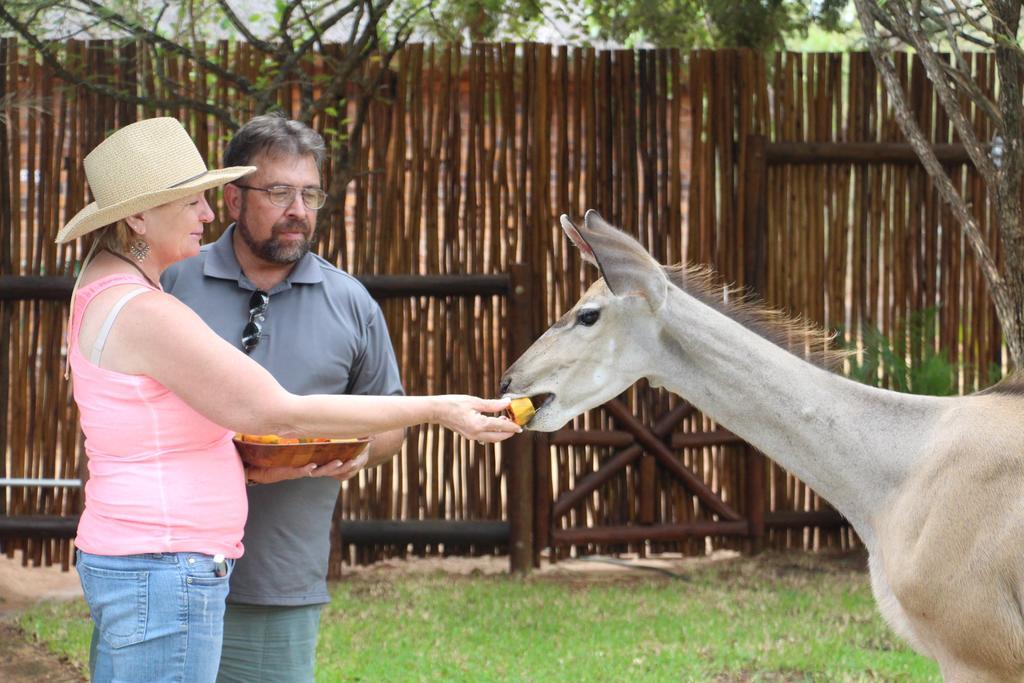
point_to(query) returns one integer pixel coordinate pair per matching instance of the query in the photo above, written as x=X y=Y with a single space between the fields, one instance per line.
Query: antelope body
x=933 y=486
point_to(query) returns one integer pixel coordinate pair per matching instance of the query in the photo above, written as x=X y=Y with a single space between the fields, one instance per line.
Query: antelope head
x=601 y=346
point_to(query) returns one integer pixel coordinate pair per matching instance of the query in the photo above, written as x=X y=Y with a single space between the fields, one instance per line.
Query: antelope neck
x=853 y=444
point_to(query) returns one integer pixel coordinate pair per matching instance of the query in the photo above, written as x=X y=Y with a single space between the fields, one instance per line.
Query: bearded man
x=316 y=329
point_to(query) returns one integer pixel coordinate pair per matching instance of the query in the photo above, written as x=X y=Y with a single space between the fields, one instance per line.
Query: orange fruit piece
x=520 y=410
x=259 y=438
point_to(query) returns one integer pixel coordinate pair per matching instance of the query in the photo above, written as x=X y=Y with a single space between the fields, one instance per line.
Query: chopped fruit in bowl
x=271 y=450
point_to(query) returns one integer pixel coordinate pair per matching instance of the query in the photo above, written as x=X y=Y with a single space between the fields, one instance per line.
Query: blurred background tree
x=351 y=39
x=757 y=24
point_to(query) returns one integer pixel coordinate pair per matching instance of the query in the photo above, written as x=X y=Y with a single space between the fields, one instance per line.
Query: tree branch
x=343 y=172
x=384 y=68
x=243 y=28
x=924 y=151
x=964 y=128
x=286 y=18
x=287 y=68
x=138 y=31
x=954 y=31
x=121 y=96
x=962 y=78
x=1006 y=39
x=159 y=16
x=103 y=14
x=961 y=74
x=308 y=18
x=359 y=44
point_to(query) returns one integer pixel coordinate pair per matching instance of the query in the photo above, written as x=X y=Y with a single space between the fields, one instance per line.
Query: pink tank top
x=162 y=478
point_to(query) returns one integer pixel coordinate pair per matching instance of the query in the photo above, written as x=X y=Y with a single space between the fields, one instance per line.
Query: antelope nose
x=503 y=387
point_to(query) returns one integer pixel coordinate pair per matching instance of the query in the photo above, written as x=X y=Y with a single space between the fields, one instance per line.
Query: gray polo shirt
x=322 y=334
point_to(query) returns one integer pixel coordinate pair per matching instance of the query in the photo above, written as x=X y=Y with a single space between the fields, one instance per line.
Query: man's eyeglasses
x=283 y=195
x=253 y=331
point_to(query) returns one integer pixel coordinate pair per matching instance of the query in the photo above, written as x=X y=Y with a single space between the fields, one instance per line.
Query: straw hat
x=142 y=165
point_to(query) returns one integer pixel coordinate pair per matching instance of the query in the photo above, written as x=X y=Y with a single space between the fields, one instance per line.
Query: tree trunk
x=1004 y=273
x=1007 y=192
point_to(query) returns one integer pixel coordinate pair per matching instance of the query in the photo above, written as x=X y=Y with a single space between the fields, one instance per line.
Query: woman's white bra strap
x=101 y=338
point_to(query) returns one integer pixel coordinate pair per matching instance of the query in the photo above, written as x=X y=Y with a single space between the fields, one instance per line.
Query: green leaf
x=909 y=362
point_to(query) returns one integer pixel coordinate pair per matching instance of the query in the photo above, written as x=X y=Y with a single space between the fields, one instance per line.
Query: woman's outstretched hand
x=466 y=415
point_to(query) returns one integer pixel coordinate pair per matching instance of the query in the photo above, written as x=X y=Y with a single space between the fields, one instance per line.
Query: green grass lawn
x=775 y=618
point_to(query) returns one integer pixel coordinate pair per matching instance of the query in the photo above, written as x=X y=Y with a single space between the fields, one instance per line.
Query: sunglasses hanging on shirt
x=253 y=330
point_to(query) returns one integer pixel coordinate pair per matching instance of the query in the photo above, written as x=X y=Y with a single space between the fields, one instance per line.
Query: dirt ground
x=593 y=568
x=21 y=660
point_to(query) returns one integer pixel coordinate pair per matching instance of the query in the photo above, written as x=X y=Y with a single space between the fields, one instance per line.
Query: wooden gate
x=653 y=450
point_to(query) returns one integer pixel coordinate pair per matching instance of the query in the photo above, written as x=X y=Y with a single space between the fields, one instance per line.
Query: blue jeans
x=157 y=617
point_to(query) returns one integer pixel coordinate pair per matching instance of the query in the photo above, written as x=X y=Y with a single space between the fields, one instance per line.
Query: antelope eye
x=588 y=317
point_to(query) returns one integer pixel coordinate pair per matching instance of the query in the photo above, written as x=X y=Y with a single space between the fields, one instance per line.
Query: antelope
x=933 y=486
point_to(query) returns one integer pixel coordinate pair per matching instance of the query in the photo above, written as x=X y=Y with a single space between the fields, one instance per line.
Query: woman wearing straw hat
x=160 y=395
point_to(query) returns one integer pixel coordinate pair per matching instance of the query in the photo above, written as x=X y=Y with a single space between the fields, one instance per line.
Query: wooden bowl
x=299 y=454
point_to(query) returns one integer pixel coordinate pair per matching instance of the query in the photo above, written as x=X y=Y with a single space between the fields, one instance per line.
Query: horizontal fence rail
x=32 y=481
x=819 y=153
x=35 y=288
x=56 y=288
x=354 y=532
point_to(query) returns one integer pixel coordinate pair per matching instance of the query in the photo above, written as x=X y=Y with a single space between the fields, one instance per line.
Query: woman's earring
x=139 y=249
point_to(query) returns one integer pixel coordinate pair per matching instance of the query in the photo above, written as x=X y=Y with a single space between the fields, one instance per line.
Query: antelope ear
x=628 y=268
x=577 y=239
